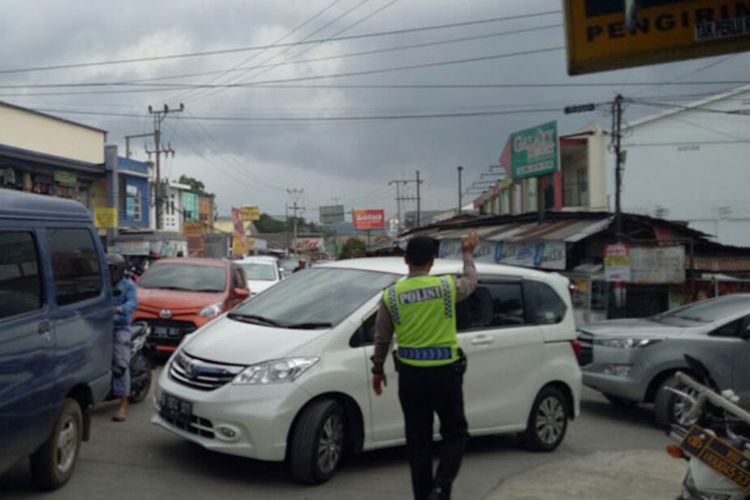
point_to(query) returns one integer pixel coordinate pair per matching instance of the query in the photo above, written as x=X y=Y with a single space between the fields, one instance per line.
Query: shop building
x=134 y=194
x=44 y=154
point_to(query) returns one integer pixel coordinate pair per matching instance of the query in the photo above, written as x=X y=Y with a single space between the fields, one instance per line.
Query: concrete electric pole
x=159 y=116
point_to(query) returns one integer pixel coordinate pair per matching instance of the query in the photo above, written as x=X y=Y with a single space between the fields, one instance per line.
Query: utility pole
x=619 y=160
x=419 y=202
x=159 y=116
x=399 y=198
x=297 y=193
x=127 y=142
x=460 y=169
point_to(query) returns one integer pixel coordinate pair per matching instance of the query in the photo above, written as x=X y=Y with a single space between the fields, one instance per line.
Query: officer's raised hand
x=470 y=243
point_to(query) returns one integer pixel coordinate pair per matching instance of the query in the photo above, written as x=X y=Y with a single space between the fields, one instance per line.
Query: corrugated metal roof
x=567 y=230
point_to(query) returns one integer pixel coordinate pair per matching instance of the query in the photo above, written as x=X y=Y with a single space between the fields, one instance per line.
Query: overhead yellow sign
x=250 y=213
x=610 y=34
x=105 y=218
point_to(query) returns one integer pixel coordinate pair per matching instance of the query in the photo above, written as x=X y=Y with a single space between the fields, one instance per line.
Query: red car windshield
x=186 y=277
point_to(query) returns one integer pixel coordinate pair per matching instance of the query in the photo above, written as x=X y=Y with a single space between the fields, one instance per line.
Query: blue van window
x=20 y=282
x=75 y=265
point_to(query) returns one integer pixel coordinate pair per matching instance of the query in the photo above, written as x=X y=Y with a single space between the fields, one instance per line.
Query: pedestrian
x=124 y=303
x=421 y=311
x=301 y=264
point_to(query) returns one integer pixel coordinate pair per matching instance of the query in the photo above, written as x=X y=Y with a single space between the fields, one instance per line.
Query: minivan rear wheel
x=53 y=463
x=548 y=421
x=317 y=443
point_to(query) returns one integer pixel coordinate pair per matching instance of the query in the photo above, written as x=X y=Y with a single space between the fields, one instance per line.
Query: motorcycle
x=140 y=365
x=715 y=445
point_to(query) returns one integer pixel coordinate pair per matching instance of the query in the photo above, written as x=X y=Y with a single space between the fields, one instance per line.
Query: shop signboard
x=365 y=220
x=132 y=247
x=657 y=265
x=65 y=178
x=610 y=34
x=309 y=245
x=617 y=262
x=250 y=214
x=105 y=218
x=194 y=229
x=543 y=254
x=240 y=245
x=331 y=214
x=534 y=151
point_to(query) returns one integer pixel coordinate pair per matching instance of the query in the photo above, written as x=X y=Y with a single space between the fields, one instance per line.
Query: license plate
x=165 y=332
x=175 y=409
x=720 y=455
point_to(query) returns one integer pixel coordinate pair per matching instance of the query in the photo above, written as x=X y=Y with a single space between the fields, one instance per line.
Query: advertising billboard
x=611 y=34
x=250 y=214
x=331 y=214
x=534 y=151
x=365 y=220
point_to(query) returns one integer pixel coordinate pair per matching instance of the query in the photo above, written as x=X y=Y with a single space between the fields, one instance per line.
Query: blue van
x=55 y=332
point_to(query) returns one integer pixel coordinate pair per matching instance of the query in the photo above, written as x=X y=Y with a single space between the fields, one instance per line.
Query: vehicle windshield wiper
x=695 y=319
x=209 y=290
x=253 y=318
x=310 y=325
x=168 y=288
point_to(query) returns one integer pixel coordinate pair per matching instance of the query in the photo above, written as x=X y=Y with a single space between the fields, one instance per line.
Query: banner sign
x=610 y=34
x=331 y=214
x=309 y=245
x=239 y=240
x=534 y=151
x=250 y=214
x=105 y=218
x=365 y=220
x=194 y=229
x=657 y=265
x=541 y=254
x=617 y=262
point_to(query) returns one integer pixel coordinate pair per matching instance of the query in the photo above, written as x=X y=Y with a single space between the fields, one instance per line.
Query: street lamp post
x=460 y=169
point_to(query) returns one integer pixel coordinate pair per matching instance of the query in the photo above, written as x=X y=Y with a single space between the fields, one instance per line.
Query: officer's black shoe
x=439 y=493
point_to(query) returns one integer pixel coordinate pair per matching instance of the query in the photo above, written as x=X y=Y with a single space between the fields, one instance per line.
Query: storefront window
x=133 y=203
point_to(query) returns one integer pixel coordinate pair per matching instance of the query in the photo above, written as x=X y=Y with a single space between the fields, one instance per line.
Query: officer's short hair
x=421 y=250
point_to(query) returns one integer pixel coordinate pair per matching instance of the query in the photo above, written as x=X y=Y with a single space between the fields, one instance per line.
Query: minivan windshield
x=706 y=311
x=314 y=298
x=255 y=271
x=185 y=277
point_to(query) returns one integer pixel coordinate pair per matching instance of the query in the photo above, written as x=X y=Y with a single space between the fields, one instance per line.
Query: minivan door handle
x=482 y=340
x=44 y=329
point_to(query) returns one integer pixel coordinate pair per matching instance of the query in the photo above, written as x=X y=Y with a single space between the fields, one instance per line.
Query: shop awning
x=569 y=231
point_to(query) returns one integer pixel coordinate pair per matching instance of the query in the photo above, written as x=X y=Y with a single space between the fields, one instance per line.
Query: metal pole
x=460 y=169
x=617 y=136
x=419 y=203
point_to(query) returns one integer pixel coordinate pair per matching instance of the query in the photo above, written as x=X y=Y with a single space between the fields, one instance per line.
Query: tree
x=352 y=249
x=267 y=224
x=195 y=184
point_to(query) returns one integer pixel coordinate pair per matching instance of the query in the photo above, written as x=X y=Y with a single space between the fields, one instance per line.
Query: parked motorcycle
x=717 y=444
x=140 y=365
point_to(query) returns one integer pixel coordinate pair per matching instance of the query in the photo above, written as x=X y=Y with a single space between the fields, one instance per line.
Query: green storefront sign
x=534 y=151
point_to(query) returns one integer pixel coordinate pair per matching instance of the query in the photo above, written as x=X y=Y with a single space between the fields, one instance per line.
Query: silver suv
x=634 y=360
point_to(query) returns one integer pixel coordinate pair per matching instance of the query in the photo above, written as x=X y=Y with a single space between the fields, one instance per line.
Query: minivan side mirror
x=241 y=293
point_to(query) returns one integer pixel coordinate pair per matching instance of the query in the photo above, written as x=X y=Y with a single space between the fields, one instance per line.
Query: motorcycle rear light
x=675 y=451
x=576 y=345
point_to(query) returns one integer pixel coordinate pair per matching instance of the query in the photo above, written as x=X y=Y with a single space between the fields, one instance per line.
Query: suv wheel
x=317 y=443
x=669 y=408
x=53 y=463
x=547 y=421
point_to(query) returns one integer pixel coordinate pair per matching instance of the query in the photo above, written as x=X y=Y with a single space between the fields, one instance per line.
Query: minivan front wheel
x=548 y=421
x=317 y=443
x=671 y=409
x=53 y=463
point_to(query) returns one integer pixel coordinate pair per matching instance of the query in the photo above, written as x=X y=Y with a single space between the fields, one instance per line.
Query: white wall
x=33 y=132
x=692 y=166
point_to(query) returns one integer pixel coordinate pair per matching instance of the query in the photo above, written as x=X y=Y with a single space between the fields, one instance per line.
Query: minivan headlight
x=627 y=343
x=274 y=371
x=211 y=310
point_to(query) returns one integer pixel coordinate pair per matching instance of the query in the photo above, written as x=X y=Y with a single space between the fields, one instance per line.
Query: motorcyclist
x=124 y=303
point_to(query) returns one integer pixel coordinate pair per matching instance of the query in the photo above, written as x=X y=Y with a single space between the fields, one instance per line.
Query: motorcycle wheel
x=140 y=373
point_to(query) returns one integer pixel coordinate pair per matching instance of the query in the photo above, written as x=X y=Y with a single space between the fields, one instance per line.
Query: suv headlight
x=211 y=310
x=274 y=371
x=627 y=343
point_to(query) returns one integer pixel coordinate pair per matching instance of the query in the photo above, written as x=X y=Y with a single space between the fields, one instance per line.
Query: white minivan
x=286 y=374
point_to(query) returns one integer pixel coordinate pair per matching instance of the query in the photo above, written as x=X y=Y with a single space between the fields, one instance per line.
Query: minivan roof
x=21 y=205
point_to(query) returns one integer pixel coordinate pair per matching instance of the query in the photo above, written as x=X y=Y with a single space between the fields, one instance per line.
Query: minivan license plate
x=176 y=410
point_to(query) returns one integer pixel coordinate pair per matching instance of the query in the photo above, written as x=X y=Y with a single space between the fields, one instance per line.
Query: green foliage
x=352 y=249
x=195 y=184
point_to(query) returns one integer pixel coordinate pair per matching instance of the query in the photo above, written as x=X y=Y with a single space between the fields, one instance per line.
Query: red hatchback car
x=178 y=296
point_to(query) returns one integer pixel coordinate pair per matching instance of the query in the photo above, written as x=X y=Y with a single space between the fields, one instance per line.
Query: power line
x=269 y=46
x=278 y=40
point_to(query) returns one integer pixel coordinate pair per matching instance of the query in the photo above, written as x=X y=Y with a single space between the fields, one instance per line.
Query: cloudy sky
x=281 y=136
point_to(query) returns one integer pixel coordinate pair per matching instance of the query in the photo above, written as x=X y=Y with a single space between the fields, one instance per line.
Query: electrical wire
x=270 y=46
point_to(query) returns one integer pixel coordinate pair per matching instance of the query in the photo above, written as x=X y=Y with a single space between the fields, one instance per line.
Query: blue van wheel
x=53 y=463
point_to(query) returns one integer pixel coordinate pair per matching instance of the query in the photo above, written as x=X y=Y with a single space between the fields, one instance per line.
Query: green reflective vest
x=423 y=310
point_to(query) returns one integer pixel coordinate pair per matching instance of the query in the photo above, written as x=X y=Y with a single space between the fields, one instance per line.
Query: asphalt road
x=137 y=460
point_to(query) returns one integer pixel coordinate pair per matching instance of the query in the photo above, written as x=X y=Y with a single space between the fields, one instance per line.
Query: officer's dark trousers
x=423 y=392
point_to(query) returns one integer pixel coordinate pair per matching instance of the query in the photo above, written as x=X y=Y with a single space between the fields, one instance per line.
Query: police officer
x=124 y=303
x=421 y=310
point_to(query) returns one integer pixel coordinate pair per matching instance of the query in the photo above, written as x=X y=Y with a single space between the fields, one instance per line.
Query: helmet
x=116 y=264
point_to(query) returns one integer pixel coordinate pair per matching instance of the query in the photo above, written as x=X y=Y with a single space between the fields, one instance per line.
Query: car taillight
x=576 y=345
